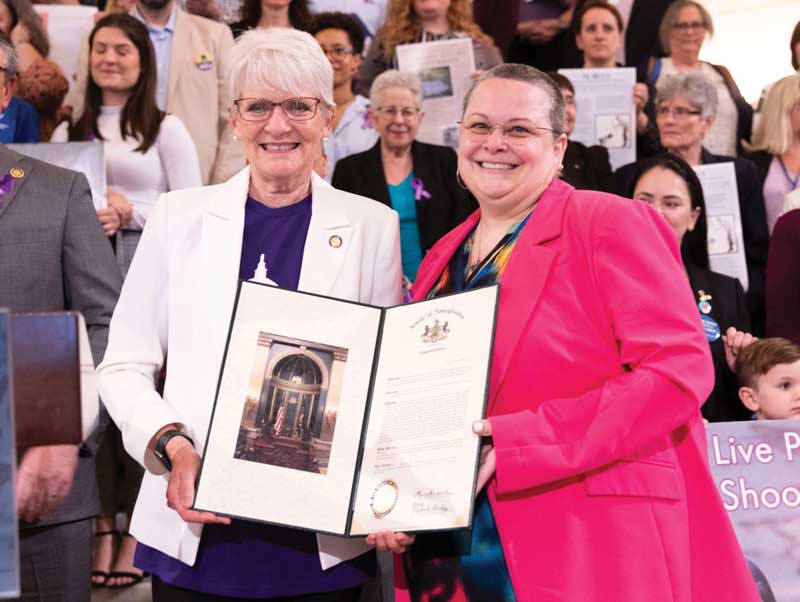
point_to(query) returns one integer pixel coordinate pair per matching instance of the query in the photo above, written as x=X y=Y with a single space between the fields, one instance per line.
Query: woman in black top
x=670 y=185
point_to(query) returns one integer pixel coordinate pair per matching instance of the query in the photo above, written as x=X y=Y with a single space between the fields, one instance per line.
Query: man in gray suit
x=54 y=256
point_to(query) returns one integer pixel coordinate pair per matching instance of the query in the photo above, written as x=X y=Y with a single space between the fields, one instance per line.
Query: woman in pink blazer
x=594 y=467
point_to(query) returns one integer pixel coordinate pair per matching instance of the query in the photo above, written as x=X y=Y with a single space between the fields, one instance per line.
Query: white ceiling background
x=752 y=40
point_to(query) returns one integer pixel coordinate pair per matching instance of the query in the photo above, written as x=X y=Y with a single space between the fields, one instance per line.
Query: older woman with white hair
x=177 y=302
x=686 y=108
x=415 y=179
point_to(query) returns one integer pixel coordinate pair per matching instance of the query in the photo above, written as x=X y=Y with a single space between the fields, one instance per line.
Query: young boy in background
x=769 y=378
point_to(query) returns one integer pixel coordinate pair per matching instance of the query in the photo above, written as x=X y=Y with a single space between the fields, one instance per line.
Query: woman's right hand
x=180 y=490
x=488 y=462
x=109 y=220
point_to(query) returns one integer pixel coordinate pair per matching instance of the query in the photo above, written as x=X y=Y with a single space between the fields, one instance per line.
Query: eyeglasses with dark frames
x=301 y=108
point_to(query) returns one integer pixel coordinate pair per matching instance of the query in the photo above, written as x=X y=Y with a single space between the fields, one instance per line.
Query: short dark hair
x=141 y=117
x=795 y=41
x=562 y=81
x=602 y=4
x=694 y=246
x=759 y=357
x=339 y=20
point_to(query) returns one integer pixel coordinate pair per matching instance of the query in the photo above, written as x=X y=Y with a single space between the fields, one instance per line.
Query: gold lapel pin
x=335 y=241
x=16 y=172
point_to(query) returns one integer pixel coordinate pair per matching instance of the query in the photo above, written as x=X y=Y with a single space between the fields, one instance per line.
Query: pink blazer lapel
x=524 y=279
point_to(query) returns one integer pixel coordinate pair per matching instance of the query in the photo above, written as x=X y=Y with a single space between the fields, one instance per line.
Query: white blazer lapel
x=220 y=252
x=329 y=237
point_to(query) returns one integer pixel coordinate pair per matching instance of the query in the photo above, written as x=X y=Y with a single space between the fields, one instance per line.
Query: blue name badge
x=711 y=328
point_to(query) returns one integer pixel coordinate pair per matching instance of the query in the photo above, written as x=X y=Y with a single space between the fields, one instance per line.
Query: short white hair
x=393 y=78
x=283 y=58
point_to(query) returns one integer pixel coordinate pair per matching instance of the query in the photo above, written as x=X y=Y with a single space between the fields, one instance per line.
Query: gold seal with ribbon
x=384 y=498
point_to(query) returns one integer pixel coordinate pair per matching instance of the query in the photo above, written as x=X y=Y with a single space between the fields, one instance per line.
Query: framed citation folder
x=346 y=419
x=45 y=354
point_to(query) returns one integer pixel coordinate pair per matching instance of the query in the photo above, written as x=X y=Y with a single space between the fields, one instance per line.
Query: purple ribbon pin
x=6 y=186
x=420 y=194
x=367 y=124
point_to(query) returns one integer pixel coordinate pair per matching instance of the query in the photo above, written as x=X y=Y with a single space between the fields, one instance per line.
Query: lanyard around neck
x=792 y=181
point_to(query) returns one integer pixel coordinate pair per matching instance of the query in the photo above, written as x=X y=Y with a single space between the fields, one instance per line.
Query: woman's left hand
x=488 y=464
x=640 y=97
x=734 y=341
x=391 y=541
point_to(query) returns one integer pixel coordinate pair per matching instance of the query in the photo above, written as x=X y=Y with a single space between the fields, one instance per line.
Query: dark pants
x=118 y=475
x=164 y=592
x=56 y=562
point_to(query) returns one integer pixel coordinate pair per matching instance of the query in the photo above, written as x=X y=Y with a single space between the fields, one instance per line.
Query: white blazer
x=178 y=298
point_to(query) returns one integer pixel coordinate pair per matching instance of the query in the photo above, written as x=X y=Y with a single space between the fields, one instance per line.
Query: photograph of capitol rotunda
x=289 y=415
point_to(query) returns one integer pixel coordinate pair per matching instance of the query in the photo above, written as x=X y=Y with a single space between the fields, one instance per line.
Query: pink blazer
x=602 y=490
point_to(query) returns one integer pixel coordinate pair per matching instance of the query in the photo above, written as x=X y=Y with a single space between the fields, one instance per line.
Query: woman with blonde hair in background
x=776 y=145
x=410 y=21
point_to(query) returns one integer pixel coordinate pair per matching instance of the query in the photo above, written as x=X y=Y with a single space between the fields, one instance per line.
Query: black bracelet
x=161 y=446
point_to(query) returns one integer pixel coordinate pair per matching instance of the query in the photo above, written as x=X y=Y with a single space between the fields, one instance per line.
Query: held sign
x=756 y=467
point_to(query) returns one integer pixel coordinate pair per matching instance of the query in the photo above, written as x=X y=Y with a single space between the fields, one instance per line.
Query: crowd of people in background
x=171 y=89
